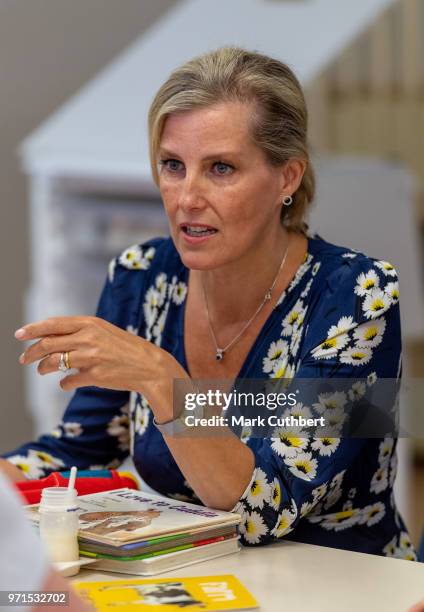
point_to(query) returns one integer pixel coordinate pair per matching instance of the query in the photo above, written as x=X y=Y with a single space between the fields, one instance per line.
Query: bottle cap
x=58 y=499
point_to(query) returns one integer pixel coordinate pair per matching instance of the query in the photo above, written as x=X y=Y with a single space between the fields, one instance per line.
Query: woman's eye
x=172 y=165
x=222 y=169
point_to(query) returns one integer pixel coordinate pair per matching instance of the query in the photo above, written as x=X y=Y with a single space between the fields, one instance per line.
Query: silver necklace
x=220 y=351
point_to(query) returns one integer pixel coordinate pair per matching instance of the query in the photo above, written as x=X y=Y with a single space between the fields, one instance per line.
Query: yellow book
x=198 y=594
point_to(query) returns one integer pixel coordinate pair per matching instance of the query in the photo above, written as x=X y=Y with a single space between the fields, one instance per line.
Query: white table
x=288 y=576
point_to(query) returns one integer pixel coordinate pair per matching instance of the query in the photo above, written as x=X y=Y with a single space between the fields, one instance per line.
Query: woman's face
x=222 y=197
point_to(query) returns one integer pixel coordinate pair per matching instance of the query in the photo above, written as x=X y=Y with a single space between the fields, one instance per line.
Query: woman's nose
x=192 y=194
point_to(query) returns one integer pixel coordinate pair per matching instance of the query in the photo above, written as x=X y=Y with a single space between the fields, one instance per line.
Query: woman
x=229 y=153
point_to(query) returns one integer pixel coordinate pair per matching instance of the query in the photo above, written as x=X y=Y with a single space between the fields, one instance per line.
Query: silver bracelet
x=172 y=427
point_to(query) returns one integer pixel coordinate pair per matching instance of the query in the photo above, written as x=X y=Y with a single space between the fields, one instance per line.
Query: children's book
x=167 y=560
x=199 y=594
x=123 y=516
x=193 y=537
x=171 y=560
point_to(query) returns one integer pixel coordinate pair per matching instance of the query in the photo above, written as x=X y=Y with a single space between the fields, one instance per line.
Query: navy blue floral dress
x=338 y=317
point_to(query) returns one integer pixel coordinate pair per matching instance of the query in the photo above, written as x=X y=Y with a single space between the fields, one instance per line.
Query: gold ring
x=64 y=364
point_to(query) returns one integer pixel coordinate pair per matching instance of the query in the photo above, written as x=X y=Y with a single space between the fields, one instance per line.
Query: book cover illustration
x=118 y=523
x=202 y=593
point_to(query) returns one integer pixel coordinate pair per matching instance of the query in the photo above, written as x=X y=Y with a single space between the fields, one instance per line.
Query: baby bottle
x=59 y=524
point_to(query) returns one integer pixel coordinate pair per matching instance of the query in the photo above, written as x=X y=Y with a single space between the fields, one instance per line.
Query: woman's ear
x=292 y=174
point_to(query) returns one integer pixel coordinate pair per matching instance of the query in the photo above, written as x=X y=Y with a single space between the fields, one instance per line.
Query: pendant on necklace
x=219 y=354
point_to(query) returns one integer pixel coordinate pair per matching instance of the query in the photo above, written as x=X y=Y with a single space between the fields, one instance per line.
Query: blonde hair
x=279 y=122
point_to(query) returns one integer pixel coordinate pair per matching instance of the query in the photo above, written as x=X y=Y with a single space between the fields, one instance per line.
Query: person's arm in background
x=11 y=471
x=24 y=565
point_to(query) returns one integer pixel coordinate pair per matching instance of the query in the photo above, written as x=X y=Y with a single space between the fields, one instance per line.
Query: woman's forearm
x=218 y=467
x=216 y=464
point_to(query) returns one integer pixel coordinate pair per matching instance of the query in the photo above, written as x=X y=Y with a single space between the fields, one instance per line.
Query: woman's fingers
x=74 y=381
x=105 y=355
x=82 y=378
x=57 y=326
x=51 y=363
x=48 y=346
x=60 y=335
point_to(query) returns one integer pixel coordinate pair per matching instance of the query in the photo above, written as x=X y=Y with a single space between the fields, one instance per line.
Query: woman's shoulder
x=154 y=256
x=342 y=266
x=350 y=285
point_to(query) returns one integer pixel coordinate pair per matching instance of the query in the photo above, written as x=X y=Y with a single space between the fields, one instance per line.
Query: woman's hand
x=105 y=355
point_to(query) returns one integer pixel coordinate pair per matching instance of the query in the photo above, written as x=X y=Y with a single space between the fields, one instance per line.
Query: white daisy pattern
x=294 y=319
x=334 y=419
x=285 y=520
x=303 y=269
x=334 y=400
x=386 y=267
x=392 y=290
x=333 y=497
x=30 y=466
x=357 y=390
x=344 y=325
x=288 y=442
x=325 y=445
x=282 y=369
x=111 y=270
x=393 y=469
x=275 y=497
x=380 y=480
x=356 y=356
x=339 y=521
x=306 y=508
x=246 y=433
x=72 y=429
x=136 y=258
x=276 y=352
x=47 y=460
x=330 y=347
x=259 y=490
x=299 y=410
x=372 y=514
x=370 y=334
x=118 y=427
x=366 y=282
x=253 y=528
x=142 y=416
x=371 y=379
x=385 y=450
x=315 y=268
x=319 y=492
x=179 y=293
x=376 y=302
x=303 y=465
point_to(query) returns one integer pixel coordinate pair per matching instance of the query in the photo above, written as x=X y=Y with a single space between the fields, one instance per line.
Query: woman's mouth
x=197 y=231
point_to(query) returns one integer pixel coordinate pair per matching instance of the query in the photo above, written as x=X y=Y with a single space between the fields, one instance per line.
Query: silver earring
x=287 y=200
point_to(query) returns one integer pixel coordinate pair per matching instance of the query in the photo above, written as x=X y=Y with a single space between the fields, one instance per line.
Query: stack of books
x=139 y=533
